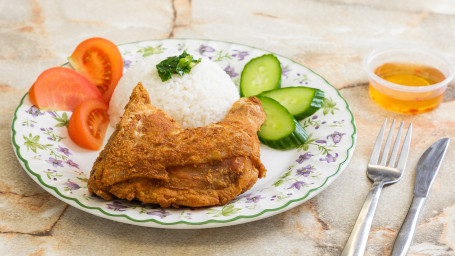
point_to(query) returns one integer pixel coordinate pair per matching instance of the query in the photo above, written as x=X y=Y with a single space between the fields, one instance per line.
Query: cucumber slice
x=260 y=74
x=280 y=130
x=301 y=102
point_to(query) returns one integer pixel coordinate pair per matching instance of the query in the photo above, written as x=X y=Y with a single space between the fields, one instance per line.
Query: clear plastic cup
x=407 y=98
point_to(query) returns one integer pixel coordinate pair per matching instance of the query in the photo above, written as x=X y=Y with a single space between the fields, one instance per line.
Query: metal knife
x=426 y=171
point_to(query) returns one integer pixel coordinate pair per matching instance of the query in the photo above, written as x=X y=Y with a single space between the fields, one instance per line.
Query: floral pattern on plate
x=42 y=145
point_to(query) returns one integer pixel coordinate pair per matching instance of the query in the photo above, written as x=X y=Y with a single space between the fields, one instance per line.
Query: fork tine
x=385 y=153
x=377 y=146
x=405 y=150
x=393 y=155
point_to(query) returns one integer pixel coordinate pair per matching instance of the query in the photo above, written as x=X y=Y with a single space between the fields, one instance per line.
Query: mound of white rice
x=203 y=96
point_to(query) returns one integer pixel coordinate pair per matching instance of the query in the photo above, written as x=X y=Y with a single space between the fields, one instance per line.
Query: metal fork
x=381 y=173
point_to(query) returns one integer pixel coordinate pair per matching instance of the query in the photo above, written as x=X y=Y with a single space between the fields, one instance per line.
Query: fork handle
x=407 y=230
x=358 y=239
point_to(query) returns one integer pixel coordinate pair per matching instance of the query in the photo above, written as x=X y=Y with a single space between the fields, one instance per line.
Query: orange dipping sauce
x=408 y=78
x=407 y=74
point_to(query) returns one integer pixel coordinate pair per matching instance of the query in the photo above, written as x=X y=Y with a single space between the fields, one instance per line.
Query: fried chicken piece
x=150 y=158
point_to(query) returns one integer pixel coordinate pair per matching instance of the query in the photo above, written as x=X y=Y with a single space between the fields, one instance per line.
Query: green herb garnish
x=176 y=65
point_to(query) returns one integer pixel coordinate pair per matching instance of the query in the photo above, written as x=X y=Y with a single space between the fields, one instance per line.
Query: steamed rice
x=201 y=97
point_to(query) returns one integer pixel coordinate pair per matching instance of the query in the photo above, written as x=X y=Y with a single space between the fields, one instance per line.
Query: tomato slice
x=61 y=88
x=100 y=61
x=88 y=124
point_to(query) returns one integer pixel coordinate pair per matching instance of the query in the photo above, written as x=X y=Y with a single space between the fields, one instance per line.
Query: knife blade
x=428 y=167
x=426 y=170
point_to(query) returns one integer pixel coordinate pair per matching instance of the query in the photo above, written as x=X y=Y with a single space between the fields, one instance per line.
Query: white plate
x=43 y=148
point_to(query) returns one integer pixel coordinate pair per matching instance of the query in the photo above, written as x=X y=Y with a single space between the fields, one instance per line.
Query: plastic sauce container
x=408 y=78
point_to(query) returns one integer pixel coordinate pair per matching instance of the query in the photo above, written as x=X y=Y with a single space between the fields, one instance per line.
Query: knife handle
x=407 y=230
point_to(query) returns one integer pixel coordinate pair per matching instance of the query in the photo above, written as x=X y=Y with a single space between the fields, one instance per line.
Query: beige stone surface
x=329 y=36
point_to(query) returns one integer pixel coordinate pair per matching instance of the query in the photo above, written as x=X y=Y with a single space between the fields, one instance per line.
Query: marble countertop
x=329 y=36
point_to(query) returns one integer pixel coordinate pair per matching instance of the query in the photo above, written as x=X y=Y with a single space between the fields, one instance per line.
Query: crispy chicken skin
x=150 y=158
